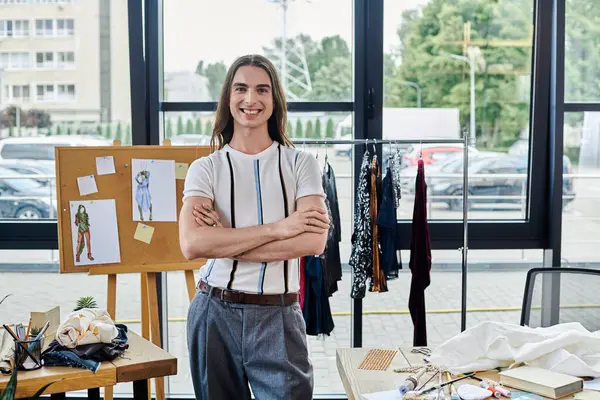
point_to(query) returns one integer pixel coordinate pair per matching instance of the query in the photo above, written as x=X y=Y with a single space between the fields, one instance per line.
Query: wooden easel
x=136 y=256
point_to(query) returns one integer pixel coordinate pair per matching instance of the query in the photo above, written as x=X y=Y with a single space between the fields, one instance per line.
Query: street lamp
x=472 y=70
x=416 y=86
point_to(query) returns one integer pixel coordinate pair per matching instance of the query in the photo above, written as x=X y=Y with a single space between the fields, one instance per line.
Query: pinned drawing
x=143 y=197
x=154 y=196
x=95 y=235
x=82 y=220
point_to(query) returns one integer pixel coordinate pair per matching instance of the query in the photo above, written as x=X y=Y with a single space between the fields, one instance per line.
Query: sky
x=221 y=30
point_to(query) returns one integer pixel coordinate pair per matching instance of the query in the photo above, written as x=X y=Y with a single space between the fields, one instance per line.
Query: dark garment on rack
x=420 y=259
x=332 y=259
x=378 y=281
x=316 y=310
x=386 y=220
x=361 y=258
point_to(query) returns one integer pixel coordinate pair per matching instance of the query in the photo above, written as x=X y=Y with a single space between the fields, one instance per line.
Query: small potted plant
x=85 y=302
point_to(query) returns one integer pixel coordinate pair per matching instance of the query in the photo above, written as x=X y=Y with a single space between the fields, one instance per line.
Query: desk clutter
x=499 y=360
x=83 y=339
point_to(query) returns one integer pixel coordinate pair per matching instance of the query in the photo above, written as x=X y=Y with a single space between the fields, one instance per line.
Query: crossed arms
x=302 y=233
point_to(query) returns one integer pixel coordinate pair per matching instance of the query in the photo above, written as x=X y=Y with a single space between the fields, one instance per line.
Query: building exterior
x=69 y=58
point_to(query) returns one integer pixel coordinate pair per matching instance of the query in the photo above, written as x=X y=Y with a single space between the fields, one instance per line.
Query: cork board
x=163 y=253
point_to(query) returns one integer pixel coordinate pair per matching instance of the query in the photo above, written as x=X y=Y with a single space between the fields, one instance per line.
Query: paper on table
x=87 y=185
x=105 y=165
x=181 y=170
x=387 y=395
x=143 y=233
x=594 y=384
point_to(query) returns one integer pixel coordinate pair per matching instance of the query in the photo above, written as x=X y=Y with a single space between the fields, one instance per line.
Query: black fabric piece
x=316 y=310
x=386 y=220
x=332 y=259
x=420 y=260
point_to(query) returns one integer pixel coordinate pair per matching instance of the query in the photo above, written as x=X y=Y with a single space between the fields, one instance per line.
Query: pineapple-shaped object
x=85 y=302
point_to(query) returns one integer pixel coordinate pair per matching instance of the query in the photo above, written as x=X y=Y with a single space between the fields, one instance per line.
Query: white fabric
x=257 y=199
x=7 y=348
x=86 y=326
x=566 y=348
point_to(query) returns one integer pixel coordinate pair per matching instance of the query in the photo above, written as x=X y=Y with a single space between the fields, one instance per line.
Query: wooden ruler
x=378 y=360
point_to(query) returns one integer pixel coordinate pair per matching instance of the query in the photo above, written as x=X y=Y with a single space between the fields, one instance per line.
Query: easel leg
x=145 y=322
x=190 y=283
x=155 y=329
x=111 y=308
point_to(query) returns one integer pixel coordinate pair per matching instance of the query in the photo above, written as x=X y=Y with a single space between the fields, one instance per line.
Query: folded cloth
x=86 y=326
x=87 y=356
x=7 y=349
x=567 y=348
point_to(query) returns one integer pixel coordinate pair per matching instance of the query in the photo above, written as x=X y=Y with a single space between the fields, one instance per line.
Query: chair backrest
x=579 y=296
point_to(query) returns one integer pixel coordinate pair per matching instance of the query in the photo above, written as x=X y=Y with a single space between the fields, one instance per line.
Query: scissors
x=422 y=350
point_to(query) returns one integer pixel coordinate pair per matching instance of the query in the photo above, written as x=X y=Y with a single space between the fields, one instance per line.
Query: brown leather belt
x=233 y=296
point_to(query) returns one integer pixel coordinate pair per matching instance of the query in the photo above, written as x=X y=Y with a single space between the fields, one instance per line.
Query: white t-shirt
x=249 y=190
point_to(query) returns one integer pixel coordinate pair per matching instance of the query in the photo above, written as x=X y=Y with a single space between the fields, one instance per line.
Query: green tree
x=179 y=126
x=501 y=111
x=316 y=56
x=128 y=134
x=208 y=128
x=119 y=133
x=310 y=133
x=215 y=74
x=198 y=127
x=99 y=130
x=289 y=129
x=169 y=131
x=329 y=129
x=189 y=126
x=299 y=131
x=582 y=51
x=108 y=131
x=318 y=133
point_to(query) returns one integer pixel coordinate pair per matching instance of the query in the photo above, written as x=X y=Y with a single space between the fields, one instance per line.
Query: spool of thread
x=503 y=391
x=410 y=383
x=486 y=385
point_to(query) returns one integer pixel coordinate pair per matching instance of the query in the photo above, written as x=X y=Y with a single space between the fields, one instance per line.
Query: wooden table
x=141 y=361
x=357 y=381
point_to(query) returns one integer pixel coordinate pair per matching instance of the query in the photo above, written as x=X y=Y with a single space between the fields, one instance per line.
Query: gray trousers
x=232 y=345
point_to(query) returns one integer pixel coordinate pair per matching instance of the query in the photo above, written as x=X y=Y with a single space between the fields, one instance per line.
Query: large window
x=45 y=104
x=311 y=48
x=461 y=68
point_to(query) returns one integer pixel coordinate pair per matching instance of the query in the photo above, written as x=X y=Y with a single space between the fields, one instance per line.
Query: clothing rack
x=465 y=141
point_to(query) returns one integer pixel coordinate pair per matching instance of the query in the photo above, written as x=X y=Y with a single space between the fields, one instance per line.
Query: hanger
x=420 y=150
x=326 y=162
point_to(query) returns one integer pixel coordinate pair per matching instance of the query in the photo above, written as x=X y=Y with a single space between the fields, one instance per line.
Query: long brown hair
x=276 y=125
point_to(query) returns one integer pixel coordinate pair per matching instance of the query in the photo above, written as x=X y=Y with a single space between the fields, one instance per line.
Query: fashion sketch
x=82 y=222
x=142 y=195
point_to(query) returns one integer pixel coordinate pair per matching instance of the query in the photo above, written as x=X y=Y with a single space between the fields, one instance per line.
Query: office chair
x=579 y=296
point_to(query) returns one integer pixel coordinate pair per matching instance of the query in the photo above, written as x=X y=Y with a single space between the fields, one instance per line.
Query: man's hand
x=313 y=219
x=206 y=216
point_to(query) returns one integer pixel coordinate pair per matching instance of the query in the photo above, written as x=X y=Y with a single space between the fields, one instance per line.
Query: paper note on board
x=87 y=185
x=181 y=170
x=105 y=165
x=143 y=233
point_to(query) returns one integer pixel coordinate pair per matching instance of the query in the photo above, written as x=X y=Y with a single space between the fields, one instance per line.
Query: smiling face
x=251 y=97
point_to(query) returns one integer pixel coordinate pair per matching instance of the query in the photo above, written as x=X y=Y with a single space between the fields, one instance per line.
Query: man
x=252 y=208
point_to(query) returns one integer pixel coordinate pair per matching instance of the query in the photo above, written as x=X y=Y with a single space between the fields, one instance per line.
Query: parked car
x=24 y=198
x=41 y=148
x=28 y=167
x=496 y=183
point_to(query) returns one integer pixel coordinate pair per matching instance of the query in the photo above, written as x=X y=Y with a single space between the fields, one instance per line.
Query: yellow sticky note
x=143 y=233
x=181 y=170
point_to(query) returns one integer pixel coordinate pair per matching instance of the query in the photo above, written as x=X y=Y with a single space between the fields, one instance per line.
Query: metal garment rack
x=465 y=142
